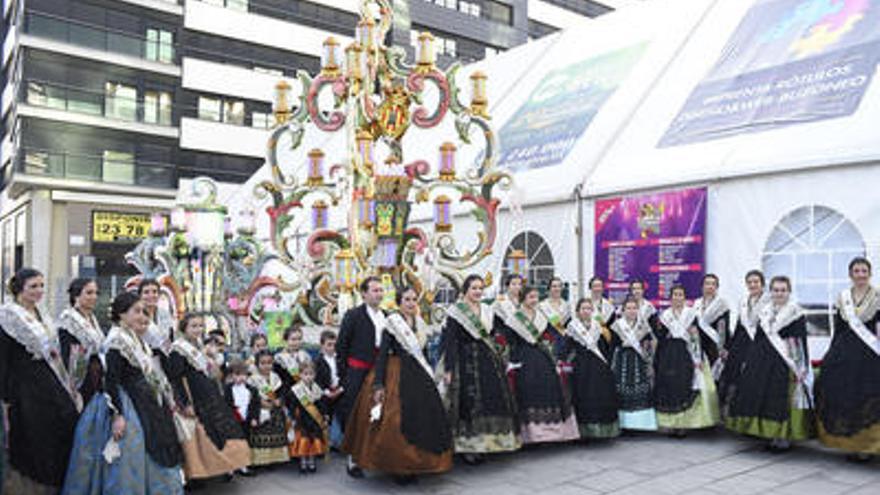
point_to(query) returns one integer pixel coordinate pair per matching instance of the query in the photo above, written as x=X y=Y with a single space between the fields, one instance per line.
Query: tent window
x=539 y=258
x=813 y=246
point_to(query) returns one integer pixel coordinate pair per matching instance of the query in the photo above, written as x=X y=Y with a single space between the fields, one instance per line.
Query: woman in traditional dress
x=713 y=319
x=737 y=346
x=647 y=311
x=289 y=360
x=308 y=410
x=593 y=388
x=557 y=312
x=40 y=399
x=603 y=309
x=218 y=444
x=412 y=434
x=544 y=410
x=632 y=369
x=81 y=337
x=506 y=304
x=848 y=388
x=160 y=333
x=773 y=398
x=268 y=439
x=482 y=411
x=129 y=443
x=684 y=390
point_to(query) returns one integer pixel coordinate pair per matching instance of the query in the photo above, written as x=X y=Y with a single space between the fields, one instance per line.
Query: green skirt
x=703 y=413
x=800 y=424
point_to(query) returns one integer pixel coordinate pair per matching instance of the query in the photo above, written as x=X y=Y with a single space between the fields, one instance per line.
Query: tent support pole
x=579 y=234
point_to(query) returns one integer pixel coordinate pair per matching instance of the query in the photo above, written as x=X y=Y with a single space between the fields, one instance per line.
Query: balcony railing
x=112 y=167
x=153 y=48
x=117 y=102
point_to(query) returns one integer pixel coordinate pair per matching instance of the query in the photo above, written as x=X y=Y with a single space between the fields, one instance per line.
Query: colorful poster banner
x=788 y=62
x=547 y=126
x=657 y=238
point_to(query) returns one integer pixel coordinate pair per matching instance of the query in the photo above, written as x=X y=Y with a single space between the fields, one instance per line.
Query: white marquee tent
x=651 y=96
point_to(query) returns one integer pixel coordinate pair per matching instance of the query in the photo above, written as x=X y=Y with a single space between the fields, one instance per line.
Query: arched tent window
x=539 y=258
x=813 y=246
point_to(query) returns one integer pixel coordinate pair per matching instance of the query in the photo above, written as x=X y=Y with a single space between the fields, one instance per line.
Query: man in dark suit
x=359 y=337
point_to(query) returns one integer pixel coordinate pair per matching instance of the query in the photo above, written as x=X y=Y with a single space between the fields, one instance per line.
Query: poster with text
x=547 y=126
x=657 y=238
x=788 y=62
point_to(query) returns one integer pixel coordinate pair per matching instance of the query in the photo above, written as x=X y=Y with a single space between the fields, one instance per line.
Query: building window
x=157 y=107
x=449 y=47
x=120 y=101
x=209 y=108
x=233 y=112
x=813 y=245
x=261 y=120
x=539 y=259
x=160 y=45
x=239 y=5
x=118 y=167
x=83 y=167
x=271 y=72
x=498 y=12
x=44 y=95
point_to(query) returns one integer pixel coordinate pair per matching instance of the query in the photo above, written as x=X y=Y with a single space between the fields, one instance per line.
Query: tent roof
x=733 y=49
x=606 y=93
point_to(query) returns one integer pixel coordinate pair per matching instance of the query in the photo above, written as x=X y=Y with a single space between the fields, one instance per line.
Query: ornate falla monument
x=378 y=100
x=369 y=96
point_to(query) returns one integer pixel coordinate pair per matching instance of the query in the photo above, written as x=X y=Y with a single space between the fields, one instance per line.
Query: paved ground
x=709 y=463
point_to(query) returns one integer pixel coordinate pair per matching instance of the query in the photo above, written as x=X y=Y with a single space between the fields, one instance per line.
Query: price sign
x=112 y=227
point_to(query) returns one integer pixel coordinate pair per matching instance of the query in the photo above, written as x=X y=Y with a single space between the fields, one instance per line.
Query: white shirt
x=241 y=397
x=378 y=318
x=334 y=376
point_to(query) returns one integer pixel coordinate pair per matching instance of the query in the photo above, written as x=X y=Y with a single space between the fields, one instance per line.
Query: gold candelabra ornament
x=378 y=97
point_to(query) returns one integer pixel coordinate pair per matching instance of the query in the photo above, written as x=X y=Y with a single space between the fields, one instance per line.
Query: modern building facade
x=108 y=104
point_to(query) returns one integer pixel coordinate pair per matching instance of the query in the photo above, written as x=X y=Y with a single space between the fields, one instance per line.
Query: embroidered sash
x=749 y=314
x=291 y=362
x=477 y=326
x=505 y=309
x=708 y=314
x=772 y=322
x=139 y=355
x=631 y=336
x=406 y=337
x=588 y=338
x=193 y=355
x=40 y=340
x=266 y=387
x=528 y=330
x=557 y=315
x=88 y=333
x=308 y=397
x=852 y=316
x=678 y=327
x=602 y=310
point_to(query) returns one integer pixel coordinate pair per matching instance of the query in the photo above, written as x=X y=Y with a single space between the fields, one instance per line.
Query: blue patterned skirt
x=132 y=473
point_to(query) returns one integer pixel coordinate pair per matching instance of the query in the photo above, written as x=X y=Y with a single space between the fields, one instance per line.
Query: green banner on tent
x=546 y=127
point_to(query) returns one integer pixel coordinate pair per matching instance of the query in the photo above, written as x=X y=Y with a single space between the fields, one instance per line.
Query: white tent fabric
x=635 y=150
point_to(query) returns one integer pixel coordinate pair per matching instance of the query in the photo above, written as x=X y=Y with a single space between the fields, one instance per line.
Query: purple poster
x=788 y=62
x=657 y=238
